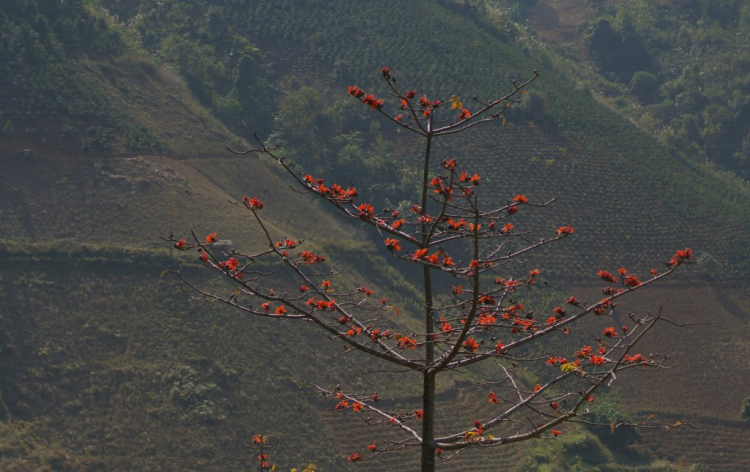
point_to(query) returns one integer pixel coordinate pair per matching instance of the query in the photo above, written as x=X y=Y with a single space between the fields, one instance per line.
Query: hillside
x=103 y=364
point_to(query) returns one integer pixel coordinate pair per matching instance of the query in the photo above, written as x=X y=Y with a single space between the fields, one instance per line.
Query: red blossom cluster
x=230 y=264
x=311 y=258
x=471 y=345
x=681 y=256
x=392 y=244
x=634 y=359
x=253 y=203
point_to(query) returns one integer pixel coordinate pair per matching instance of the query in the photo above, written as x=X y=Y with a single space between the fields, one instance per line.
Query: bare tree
x=449 y=233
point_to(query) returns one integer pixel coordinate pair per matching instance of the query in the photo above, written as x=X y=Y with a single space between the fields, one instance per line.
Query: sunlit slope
x=107 y=366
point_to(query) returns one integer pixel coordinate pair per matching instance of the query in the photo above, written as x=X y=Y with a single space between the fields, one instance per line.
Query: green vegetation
x=746 y=409
x=685 y=61
x=40 y=44
x=206 y=42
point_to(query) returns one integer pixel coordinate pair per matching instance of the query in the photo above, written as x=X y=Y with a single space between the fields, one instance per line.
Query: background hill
x=114 y=118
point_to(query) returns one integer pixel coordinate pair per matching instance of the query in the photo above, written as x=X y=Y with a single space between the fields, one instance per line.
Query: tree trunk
x=428 y=423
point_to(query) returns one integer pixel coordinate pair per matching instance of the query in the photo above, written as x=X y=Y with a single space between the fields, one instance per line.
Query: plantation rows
x=456 y=411
x=709 y=376
x=715 y=446
x=617 y=221
x=634 y=190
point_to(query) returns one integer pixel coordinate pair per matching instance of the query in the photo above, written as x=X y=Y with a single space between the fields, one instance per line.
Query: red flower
x=439 y=451
x=584 y=352
x=266 y=307
x=410 y=94
x=622 y=271
x=180 y=244
x=386 y=72
x=230 y=264
x=554 y=405
x=355 y=91
x=449 y=164
x=392 y=244
x=512 y=210
x=457 y=290
x=499 y=348
x=508 y=227
x=372 y=447
x=399 y=117
x=418 y=414
x=203 y=257
x=211 y=238
x=520 y=199
x=610 y=332
x=681 y=256
x=280 y=310
x=287 y=243
x=572 y=301
x=556 y=433
x=366 y=210
x=355 y=457
x=253 y=203
x=407 y=342
x=597 y=360
x=565 y=230
x=632 y=281
x=493 y=398
x=419 y=254
x=635 y=358
x=373 y=102
x=310 y=258
x=478 y=426
x=471 y=345
x=606 y=276
x=357 y=407
x=464 y=114
x=342 y=405
x=486 y=300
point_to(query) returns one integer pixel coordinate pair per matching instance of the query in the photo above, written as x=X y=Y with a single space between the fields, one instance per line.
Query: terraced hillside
x=104 y=364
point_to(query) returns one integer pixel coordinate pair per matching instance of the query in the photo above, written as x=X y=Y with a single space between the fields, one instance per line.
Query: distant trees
x=683 y=52
x=474 y=292
x=746 y=409
x=8 y=128
x=645 y=87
